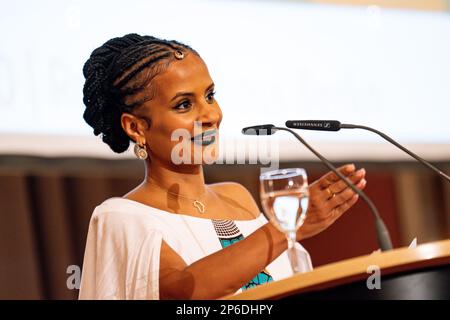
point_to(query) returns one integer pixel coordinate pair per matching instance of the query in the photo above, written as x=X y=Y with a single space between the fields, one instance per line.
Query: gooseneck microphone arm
x=334 y=125
x=398 y=145
x=383 y=237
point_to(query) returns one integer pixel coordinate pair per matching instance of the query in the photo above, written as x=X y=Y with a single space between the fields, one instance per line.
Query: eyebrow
x=190 y=94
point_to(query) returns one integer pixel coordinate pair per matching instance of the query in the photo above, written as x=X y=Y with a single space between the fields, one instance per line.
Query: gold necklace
x=199 y=205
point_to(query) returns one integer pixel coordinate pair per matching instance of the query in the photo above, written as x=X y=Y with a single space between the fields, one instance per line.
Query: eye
x=184 y=105
x=210 y=96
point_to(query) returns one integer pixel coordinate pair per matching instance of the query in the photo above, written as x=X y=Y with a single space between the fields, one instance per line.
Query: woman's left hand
x=329 y=198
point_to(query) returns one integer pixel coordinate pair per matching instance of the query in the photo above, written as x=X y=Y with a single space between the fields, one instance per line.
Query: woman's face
x=183 y=105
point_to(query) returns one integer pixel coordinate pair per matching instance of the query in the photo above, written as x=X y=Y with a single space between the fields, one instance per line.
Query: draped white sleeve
x=121 y=259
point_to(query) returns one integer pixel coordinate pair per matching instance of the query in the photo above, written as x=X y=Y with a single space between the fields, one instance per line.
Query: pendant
x=199 y=205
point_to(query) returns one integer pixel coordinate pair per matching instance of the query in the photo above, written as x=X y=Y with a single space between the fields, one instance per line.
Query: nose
x=210 y=115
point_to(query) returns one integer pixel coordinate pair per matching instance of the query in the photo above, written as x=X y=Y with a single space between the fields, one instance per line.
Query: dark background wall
x=46 y=204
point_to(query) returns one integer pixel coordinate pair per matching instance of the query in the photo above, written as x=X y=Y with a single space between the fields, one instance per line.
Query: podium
x=417 y=273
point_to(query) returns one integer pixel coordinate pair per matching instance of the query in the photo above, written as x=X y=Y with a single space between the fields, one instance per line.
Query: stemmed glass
x=284 y=196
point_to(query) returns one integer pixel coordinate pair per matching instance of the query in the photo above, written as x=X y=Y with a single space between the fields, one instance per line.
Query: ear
x=134 y=127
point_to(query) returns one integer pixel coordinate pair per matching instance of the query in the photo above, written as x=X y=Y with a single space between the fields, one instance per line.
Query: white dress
x=121 y=260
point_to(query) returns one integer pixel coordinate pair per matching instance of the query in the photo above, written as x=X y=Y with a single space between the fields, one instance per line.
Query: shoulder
x=120 y=214
x=124 y=226
x=229 y=186
x=239 y=193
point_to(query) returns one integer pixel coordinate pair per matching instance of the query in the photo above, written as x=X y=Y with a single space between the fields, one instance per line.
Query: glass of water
x=284 y=196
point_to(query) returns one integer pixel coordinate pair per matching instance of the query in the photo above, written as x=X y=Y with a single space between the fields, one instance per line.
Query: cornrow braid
x=115 y=81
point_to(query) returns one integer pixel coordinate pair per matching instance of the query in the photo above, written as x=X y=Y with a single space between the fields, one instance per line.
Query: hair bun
x=101 y=110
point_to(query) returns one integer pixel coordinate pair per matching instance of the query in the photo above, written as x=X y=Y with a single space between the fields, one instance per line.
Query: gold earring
x=140 y=151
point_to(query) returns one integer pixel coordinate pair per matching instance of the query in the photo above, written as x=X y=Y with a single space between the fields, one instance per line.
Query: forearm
x=227 y=270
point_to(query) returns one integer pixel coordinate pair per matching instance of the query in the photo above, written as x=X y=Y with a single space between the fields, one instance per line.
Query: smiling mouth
x=205 y=138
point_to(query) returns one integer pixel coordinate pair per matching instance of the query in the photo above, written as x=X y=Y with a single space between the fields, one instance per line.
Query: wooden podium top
x=346 y=271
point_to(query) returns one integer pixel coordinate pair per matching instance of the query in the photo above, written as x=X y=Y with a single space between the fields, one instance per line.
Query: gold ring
x=330 y=193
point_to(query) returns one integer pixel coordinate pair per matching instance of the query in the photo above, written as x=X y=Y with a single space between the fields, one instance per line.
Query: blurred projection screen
x=271 y=61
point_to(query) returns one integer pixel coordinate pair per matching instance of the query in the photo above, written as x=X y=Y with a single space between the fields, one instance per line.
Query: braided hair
x=117 y=75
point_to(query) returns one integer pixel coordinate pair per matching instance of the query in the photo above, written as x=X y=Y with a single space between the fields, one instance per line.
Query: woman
x=169 y=238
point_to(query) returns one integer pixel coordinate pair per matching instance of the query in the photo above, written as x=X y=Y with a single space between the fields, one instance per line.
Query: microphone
x=333 y=125
x=384 y=240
